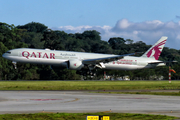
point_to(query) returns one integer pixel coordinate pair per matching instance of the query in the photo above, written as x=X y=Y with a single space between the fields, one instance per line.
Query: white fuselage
x=132 y=63
x=55 y=57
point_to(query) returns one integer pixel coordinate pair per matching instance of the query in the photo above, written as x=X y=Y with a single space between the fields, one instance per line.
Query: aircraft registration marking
x=125 y=61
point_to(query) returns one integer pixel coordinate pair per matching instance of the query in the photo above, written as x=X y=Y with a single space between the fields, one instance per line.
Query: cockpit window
x=8 y=52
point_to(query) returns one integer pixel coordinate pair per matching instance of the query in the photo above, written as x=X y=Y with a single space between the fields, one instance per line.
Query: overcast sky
x=139 y=20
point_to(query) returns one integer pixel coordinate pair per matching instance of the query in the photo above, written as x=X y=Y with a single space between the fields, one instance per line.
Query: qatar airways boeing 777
x=79 y=60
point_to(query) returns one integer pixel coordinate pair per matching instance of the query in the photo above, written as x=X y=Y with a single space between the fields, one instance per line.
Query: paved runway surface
x=79 y=101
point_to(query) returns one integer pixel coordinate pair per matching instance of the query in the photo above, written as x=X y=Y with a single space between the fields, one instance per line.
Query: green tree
x=54 y=39
x=116 y=42
x=33 y=27
x=92 y=35
x=4 y=69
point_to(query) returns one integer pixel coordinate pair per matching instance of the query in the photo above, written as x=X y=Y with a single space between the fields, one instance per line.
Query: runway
x=82 y=101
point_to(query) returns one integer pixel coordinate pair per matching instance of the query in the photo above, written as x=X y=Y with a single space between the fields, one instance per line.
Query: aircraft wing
x=105 y=59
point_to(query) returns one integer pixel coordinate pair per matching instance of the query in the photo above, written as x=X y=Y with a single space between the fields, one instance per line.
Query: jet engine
x=75 y=64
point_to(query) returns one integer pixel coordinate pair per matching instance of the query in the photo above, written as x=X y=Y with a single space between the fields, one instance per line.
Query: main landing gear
x=87 y=74
x=14 y=63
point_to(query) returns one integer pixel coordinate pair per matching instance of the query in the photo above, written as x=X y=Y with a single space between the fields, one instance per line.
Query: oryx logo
x=75 y=64
x=156 y=50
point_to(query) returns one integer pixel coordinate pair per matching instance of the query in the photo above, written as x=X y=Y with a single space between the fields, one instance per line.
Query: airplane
x=79 y=60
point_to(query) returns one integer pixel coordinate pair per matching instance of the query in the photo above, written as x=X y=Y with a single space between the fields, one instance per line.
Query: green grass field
x=145 y=87
x=82 y=116
x=89 y=85
x=102 y=86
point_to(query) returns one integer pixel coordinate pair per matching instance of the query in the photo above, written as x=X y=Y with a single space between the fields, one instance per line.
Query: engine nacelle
x=75 y=64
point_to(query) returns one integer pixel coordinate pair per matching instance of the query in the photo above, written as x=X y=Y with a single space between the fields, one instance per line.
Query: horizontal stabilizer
x=162 y=62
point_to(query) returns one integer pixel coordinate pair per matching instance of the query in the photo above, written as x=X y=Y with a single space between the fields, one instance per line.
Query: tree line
x=37 y=35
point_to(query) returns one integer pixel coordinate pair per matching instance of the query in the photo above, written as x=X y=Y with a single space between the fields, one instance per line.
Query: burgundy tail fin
x=155 y=51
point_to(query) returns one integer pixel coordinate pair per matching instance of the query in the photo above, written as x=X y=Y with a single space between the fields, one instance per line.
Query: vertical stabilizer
x=155 y=51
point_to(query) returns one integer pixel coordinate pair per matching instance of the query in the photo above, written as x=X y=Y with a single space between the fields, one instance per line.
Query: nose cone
x=7 y=55
x=4 y=55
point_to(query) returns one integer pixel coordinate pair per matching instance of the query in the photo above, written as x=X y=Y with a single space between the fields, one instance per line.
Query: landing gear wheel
x=14 y=63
